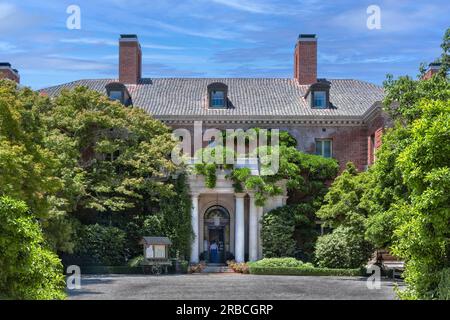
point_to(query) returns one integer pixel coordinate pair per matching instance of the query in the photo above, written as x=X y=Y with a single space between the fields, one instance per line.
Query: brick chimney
x=7 y=72
x=433 y=68
x=305 y=59
x=130 y=59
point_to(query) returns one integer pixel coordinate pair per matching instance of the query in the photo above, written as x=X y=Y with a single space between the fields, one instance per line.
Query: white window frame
x=213 y=99
x=323 y=147
x=324 y=101
x=116 y=92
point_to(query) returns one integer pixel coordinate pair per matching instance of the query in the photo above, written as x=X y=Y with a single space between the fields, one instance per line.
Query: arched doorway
x=216 y=230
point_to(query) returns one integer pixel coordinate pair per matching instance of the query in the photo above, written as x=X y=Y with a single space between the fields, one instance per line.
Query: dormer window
x=217 y=95
x=319 y=99
x=116 y=91
x=217 y=99
x=116 y=95
x=319 y=94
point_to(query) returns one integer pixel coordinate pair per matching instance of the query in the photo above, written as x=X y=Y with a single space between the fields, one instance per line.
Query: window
x=117 y=91
x=217 y=95
x=324 y=148
x=115 y=95
x=372 y=149
x=320 y=99
x=217 y=99
x=155 y=252
x=110 y=157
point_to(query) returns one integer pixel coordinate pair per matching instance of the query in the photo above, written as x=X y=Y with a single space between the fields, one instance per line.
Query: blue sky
x=219 y=38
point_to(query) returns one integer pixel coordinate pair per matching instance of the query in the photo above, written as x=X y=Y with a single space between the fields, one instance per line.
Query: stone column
x=194 y=222
x=253 y=230
x=239 y=228
x=279 y=201
x=260 y=213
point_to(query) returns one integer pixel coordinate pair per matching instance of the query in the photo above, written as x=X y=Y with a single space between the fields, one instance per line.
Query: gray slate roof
x=251 y=98
x=157 y=240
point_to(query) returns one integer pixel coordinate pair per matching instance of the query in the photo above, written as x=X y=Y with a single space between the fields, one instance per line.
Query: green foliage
x=443 y=290
x=176 y=212
x=385 y=189
x=280 y=263
x=277 y=232
x=405 y=196
x=27 y=163
x=112 y=270
x=341 y=204
x=306 y=232
x=425 y=164
x=380 y=228
x=344 y=248
x=409 y=198
x=28 y=269
x=289 y=231
x=300 y=171
x=113 y=157
x=100 y=245
x=404 y=94
x=136 y=261
x=325 y=272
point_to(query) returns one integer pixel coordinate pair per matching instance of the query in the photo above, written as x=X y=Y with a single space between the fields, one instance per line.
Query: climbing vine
x=296 y=169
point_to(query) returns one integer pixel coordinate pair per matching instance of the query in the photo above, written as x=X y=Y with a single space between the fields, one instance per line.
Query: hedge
x=111 y=270
x=305 y=271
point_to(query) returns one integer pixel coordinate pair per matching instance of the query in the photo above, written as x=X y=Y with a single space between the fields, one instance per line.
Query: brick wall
x=8 y=74
x=130 y=61
x=349 y=142
x=305 y=62
x=375 y=129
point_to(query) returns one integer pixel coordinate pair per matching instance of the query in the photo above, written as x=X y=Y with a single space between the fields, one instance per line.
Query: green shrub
x=100 y=245
x=280 y=263
x=184 y=266
x=305 y=271
x=28 y=269
x=343 y=248
x=277 y=233
x=111 y=270
x=443 y=291
x=136 y=261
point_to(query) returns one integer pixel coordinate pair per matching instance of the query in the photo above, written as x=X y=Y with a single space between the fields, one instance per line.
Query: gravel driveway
x=228 y=287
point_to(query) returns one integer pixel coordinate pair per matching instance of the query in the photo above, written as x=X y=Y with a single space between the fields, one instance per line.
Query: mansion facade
x=338 y=118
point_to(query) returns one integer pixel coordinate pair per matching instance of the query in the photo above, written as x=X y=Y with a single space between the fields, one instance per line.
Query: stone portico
x=236 y=221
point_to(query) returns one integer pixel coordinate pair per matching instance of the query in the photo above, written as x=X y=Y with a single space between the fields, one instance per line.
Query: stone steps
x=217 y=269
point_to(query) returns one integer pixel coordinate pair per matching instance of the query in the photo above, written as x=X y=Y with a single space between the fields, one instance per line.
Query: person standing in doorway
x=214 y=252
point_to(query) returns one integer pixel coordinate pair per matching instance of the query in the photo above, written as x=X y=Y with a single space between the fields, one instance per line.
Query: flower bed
x=239 y=267
x=197 y=268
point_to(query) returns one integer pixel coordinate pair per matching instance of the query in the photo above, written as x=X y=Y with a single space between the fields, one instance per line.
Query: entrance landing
x=217 y=268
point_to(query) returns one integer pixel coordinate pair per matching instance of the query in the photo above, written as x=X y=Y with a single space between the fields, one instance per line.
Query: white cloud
x=273 y=8
x=339 y=60
x=8 y=48
x=394 y=18
x=60 y=62
x=244 y=5
x=93 y=41
x=161 y=47
x=218 y=34
x=108 y=42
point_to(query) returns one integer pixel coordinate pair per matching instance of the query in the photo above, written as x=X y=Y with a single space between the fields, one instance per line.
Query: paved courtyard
x=228 y=287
